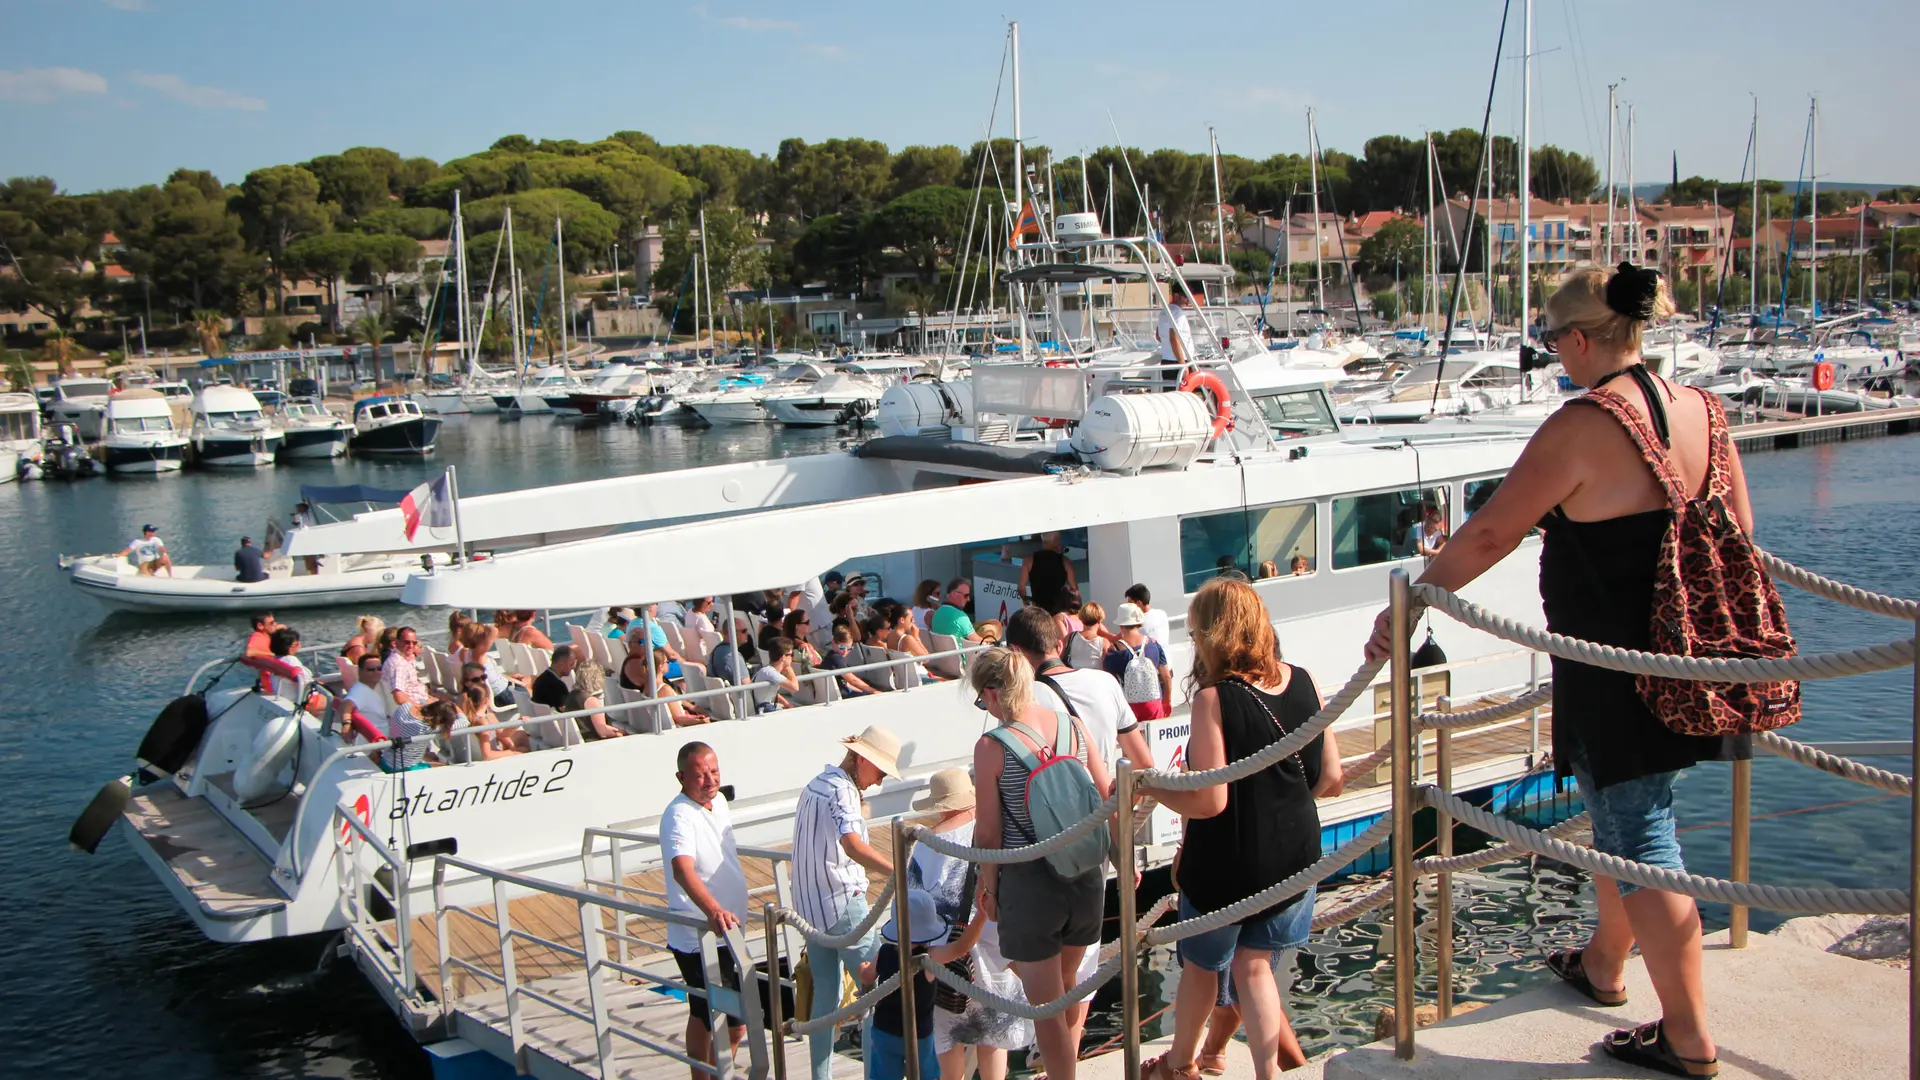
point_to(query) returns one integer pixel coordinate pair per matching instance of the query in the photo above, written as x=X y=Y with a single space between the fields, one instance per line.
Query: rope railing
x=1504 y=710
x=857 y=1007
x=820 y=939
x=1717 y=890
x=1799 y=577
x=1861 y=661
x=1002 y=856
x=1298 y=883
x=1775 y=743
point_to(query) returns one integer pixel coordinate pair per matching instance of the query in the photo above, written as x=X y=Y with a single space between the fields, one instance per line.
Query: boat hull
x=413 y=435
x=236 y=452
x=148 y=457
x=476 y=402
x=531 y=403
x=187 y=591
x=315 y=444
x=818 y=412
x=732 y=412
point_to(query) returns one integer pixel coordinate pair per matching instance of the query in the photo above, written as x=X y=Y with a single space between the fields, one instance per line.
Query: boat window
x=134 y=425
x=1246 y=541
x=1425 y=373
x=1498 y=375
x=1377 y=528
x=1297 y=414
x=1476 y=493
x=19 y=425
x=376 y=412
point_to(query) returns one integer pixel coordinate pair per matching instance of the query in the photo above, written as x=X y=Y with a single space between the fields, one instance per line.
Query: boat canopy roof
x=350 y=493
x=1069 y=273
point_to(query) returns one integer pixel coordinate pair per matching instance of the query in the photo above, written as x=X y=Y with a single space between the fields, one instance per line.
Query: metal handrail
x=356 y=879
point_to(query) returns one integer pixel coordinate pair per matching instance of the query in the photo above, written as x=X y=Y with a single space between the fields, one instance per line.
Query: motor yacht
x=392 y=426
x=229 y=429
x=139 y=435
x=1461 y=385
x=311 y=432
x=19 y=437
x=80 y=401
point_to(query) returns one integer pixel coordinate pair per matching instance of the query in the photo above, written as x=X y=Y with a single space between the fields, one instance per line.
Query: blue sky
x=104 y=93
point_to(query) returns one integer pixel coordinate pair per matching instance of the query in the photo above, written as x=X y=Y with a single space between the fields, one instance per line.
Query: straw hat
x=948 y=789
x=878 y=745
x=1129 y=615
x=922 y=917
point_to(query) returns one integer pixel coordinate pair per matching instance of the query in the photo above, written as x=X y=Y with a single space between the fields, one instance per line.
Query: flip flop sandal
x=1567 y=965
x=1647 y=1047
x=1212 y=1064
x=1162 y=1069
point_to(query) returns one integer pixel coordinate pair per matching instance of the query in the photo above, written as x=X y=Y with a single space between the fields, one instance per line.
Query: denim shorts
x=1632 y=819
x=1287 y=928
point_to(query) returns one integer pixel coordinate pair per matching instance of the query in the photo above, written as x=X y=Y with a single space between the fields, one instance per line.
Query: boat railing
x=627 y=854
x=1410 y=717
x=390 y=949
x=604 y=975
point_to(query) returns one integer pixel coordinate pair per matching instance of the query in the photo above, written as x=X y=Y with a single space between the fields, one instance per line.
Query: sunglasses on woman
x=1550 y=339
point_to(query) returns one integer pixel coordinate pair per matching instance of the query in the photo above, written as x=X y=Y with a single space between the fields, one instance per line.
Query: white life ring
x=266 y=757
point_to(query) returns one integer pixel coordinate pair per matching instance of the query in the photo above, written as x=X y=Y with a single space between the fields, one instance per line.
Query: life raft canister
x=1206 y=383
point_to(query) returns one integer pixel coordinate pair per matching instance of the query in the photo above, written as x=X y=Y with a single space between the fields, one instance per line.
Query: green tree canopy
x=278 y=205
x=590 y=229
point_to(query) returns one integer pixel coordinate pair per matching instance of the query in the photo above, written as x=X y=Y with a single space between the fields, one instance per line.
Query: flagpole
x=459 y=538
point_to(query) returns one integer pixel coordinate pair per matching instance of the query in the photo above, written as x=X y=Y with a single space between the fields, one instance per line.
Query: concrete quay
x=1779 y=1010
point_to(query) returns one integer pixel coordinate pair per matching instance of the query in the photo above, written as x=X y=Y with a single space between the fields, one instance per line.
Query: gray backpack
x=1060 y=792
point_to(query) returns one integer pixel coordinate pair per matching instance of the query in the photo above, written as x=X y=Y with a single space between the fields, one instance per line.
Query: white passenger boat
x=311 y=432
x=230 y=430
x=139 y=433
x=19 y=437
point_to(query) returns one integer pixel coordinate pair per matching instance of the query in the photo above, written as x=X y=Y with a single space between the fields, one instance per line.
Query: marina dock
x=1797 y=431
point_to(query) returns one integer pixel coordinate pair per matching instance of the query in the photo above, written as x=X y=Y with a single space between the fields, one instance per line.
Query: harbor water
x=103 y=974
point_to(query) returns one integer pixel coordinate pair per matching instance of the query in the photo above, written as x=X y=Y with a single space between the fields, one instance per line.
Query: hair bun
x=1633 y=291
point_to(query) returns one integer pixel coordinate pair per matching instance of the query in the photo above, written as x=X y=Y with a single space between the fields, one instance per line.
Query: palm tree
x=209 y=325
x=369 y=330
x=62 y=350
x=19 y=370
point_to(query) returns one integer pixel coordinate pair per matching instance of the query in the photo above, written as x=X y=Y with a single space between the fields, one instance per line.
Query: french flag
x=430 y=504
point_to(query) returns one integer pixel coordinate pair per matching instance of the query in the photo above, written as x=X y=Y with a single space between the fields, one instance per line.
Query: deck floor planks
x=224 y=872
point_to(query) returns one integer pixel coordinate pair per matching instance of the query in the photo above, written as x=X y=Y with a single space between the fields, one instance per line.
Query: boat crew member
x=1045 y=573
x=696 y=833
x=149 y=552
x=1175 y=333
x=831 y=859
x=302 y=519
x=249 y=563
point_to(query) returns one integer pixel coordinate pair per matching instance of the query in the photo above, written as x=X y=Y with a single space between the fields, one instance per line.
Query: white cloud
x=760 y=26
x=200 y=97
x=818 y=49
x=127 y=5
x=46 y=84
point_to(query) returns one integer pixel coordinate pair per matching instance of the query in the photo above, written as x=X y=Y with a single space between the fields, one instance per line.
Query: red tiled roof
x=117 y=273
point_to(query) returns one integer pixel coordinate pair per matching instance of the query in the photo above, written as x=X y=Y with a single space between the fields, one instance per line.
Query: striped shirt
x=825 y=877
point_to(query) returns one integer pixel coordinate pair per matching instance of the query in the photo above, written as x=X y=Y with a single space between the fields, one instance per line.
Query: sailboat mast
x=694 y=277
x=1219 y=207
x=1428 y=275
x=1526 y=172
x=1753 y=248
x=1313 y=170
x=1613 y=112
x=1016 y=293
x=1633 y=207
x=513 y=293
x=1813 y=210
x=1492 y=311
x=460 y=281
x=560 y=272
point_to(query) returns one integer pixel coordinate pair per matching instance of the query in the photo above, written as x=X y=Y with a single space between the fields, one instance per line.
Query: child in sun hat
x=887 y=1054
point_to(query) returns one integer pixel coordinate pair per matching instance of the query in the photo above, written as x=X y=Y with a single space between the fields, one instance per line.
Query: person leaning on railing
x=1584 y=481
x=1246 y=836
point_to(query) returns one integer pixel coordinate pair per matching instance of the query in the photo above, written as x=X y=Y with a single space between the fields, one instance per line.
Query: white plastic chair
x=907 y=674
x=675 y=636
x=349 y=672
x=598 y=651
x=582 y=644
x=507 y=655
x=948 y=666
x=883 y=679
x=709 y=641
x=539 y=660
x=818 y=692
x=719 y=706
x=546 y=734
x=616 y=651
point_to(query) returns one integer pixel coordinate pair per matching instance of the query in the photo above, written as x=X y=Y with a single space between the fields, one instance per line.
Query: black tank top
x=1270 y=829
x=1047 y=578
x=1596 y=583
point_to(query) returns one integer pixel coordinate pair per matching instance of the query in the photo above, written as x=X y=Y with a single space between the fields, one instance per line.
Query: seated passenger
x=696 y=615
x=525 y=633
x=366 y=638
x=301 y=690
x=249 y=564
x=588 y=684
x=898 y=631
x=366 y=696
x=1298 y=566
x=721 y=664
x=476 y=710
x=657 y=637
x=797 y=630
x=926 y=600
x=682 y=713
x=551 y=689
x=1429 y=535
x=617 y=620
x=775 y=679
x=457 y=624
x=480 y=642
x=841 y=655
x=951 y=618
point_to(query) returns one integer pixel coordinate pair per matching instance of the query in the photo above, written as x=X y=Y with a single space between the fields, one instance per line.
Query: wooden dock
x=1789 y=434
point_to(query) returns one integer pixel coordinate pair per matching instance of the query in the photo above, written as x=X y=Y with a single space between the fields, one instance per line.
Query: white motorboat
x=392 y=426
x=230 y=430
x=1468 y=383
x=531 y=396
x=80 y=401
x=732 y=398
x=140 y=435
x=342 y=580
x=19 y=437
x=835 y=398
x=312 y=433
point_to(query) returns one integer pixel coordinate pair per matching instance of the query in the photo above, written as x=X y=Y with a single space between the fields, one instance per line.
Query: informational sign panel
x=1168 y=740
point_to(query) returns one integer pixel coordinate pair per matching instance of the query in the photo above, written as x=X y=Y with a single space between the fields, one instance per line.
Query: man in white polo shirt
x=831 y=859
x=696 y=834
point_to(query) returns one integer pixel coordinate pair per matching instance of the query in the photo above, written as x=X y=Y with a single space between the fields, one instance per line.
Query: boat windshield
x=1425 y=373
x=1297 y=414
x=135 y=425
x=78 y=388
x=238 y=416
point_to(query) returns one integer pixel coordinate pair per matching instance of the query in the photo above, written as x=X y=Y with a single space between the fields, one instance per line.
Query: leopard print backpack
x=1711 y=595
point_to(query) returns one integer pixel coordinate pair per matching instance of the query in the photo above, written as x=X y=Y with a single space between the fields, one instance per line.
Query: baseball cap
x=149 y=528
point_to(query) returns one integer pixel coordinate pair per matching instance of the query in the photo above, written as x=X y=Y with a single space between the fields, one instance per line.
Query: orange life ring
x=1204 y=383
x=1823 y=376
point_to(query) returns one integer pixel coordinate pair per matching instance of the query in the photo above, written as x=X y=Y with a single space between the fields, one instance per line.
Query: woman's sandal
x=1211 y=1064
x=1161 y=1069
x=1647 y=1047
x=1567 y=965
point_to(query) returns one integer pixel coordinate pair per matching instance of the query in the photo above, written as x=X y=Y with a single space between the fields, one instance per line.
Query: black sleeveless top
x=1596 y=583
x=1047 y=578
x=1270 y=829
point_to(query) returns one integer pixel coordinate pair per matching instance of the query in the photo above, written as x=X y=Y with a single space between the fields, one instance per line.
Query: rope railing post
x=903 y=939
x=1741 y=853
x=776 y=1015
x=1913 y=881
x=1443 y=882
x=1533 y=716
x=1129 y=942
x=1400 y=680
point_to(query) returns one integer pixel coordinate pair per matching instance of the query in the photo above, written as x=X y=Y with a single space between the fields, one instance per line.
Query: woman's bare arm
x=1206 y=749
